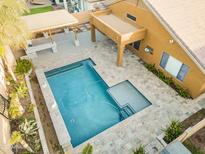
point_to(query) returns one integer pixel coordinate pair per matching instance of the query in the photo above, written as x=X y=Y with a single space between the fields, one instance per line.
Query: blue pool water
x=85 y=105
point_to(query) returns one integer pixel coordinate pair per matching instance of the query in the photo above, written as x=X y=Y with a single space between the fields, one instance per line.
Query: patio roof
x=119 y=30
x=49 y=20
x=185 y=21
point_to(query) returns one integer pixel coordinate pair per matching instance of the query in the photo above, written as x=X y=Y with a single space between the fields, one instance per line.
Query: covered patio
x=119 y=30
x=46 y=24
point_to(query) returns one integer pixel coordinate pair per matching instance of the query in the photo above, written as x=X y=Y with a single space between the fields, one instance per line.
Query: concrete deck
x=144 y=126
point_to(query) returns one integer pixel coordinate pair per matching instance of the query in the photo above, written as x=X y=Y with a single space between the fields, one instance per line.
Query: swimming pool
x=85 y=102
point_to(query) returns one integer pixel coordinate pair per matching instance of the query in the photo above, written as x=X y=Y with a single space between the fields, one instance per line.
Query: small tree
x=172 y=131
x=88 y=149
x=16 y=137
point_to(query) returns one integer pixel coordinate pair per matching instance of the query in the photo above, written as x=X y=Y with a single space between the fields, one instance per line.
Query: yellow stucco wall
x=158 y=38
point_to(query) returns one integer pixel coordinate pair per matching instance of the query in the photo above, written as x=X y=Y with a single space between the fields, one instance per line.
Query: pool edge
x=56 y=117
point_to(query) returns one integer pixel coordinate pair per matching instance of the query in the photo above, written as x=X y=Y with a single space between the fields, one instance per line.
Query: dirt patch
x=194 y=119
x=52 y=141
x=196 y=143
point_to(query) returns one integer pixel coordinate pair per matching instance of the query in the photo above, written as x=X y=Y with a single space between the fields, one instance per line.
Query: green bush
x=139 y=150
x=172 y=131
x=30 y=108
x=168 y=80
x=21 y=89
x=88 y=149
x=23 y=66
x=14 y=107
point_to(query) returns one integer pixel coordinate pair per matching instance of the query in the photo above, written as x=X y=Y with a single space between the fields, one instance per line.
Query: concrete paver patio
x=144 y=126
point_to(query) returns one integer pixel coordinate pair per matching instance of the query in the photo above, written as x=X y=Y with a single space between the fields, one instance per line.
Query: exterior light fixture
x=148 y=49
x=171 y=41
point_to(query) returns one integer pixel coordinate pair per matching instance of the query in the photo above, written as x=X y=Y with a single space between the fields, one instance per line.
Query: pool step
x=126 y=111
x=62 y=69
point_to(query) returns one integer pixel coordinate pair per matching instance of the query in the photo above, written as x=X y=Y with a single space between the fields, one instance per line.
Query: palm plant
x=28 y=127
x=17 y=137
x=13 y=30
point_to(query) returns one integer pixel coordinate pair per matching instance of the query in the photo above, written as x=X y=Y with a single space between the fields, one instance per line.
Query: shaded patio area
x=119 y=30
x=144 y=126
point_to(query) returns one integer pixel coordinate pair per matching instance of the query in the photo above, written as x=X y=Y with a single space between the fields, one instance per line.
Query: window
x=174 y=66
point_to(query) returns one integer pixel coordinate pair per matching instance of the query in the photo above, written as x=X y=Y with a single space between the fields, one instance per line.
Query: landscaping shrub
x=168 y=80
x=21 y=89
x=139 y=150
x=28 y=127
x=23 y=66
x=30 y=107
x=17 y=137
x=15 y=109
x=88 y=149
x=172 y=131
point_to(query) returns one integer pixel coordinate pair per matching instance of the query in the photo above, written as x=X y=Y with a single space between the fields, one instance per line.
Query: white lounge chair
x=38 y=45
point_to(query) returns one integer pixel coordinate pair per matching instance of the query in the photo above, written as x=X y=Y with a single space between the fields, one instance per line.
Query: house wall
x=158 y=38
x=4 y=123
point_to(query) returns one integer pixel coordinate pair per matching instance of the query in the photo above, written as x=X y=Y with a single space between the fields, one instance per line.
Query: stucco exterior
x=159 y=38
x=5 y=147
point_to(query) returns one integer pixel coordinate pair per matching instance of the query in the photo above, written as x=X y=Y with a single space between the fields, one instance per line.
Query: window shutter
x=182 y=73
x=164 y=60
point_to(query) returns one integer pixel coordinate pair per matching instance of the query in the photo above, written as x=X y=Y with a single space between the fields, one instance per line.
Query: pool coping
x=37 y=116
x=56 y=118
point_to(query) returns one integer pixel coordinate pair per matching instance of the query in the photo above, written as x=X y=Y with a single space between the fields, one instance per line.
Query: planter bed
x=51 y=138
x=196 y=141
x=31 y=140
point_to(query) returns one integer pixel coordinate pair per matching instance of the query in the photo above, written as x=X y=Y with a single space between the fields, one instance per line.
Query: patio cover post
x=50 y=35
x=93 y=35
x=121 y=48
x=76 y=41
x=65 y=5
